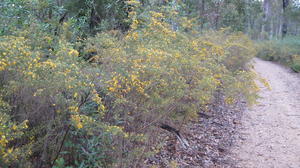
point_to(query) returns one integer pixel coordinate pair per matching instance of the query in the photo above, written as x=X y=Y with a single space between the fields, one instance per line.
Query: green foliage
x=95 y=15
x=285 y=51
x=60 y=163
x=12 y=15
x=296 y=67
x=234 y=15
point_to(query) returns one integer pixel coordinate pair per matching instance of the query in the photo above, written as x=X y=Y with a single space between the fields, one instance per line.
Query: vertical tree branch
x=61 y=145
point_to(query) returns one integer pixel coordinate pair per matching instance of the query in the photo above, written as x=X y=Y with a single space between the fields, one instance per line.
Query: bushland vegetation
x=86 y=83
x=279 y=37
x=285 y=51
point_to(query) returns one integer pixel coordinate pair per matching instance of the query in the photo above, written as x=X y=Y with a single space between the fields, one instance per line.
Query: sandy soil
x=270 y=134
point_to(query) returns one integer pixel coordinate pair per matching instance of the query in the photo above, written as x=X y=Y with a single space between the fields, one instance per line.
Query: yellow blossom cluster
x=73 y=52
x=77 y=120
x=121 y=85
x=133 y=2
x=9 y=131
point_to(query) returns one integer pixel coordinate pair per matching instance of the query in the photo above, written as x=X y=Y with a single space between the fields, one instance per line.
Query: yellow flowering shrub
x=99 y=105
x=9 y=132
x=155 y=74
x=161 y=68
x=51 y=90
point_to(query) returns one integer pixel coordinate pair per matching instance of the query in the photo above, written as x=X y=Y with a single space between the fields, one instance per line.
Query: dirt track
x=270 y=135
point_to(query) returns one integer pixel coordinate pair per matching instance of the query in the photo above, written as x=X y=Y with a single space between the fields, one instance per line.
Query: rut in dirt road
x=270 y=137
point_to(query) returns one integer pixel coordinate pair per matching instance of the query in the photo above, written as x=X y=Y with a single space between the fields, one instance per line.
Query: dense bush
x=48 y=90
x=100 y=107
x=284 y=51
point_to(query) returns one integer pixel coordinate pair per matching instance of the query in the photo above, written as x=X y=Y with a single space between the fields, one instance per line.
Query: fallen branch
x=182 y=140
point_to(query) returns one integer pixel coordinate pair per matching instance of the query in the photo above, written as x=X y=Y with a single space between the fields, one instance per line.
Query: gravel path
x=270 y=135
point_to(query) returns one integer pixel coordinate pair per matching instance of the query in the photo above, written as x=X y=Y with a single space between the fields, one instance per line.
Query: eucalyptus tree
x=285 y=4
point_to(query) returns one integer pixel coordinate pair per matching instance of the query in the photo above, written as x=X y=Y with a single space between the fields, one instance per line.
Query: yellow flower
x=157 y=14
x=73 y=108
x=77 y=120
x=134 y=24
x=26 y=124
x=10 y=150
x=31 y=74
x=14 y=127
x=75 y=94
x=229 y=100
x=135 y=35
x=79 y=125
x=111 y=89
x=133 y=2
x=50 y=63
x=73 y=52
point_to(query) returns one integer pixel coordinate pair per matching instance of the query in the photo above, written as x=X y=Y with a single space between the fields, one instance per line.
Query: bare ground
x=270 y=134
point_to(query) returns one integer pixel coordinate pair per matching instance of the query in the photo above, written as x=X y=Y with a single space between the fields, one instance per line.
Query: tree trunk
x=271 y=28
x=249 y=17
x=266 y=9
x=202 y=13
x=217 y=15
x=285 y=4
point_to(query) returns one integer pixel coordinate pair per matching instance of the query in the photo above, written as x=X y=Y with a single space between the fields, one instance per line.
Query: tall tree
x=202 y=12
x=266 y=10
x=285 y=4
